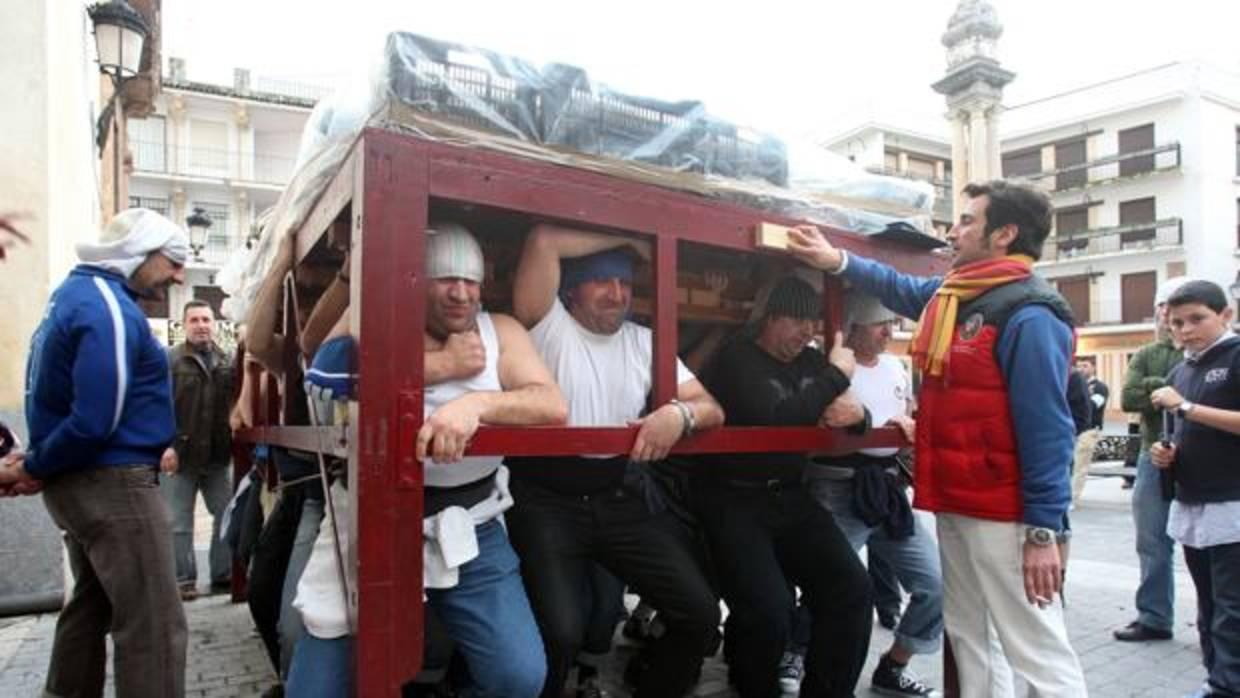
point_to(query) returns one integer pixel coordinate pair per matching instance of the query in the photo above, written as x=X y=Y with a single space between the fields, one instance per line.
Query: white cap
x=1168 y=287
x=452 y=251
x=864 y=309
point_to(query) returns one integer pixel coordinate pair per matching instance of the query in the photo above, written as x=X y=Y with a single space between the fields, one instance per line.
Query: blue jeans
x=488 y=615
x=915 y=561
x=321 y=668
x=1156 y=592
x=179 y=491
x=290 y=625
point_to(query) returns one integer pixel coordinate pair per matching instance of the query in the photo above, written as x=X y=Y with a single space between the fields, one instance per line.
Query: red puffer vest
x=967 y=462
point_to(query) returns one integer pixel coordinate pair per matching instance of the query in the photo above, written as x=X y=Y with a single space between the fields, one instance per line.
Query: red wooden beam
x=664 y=342
x=532 y=441
x=389 y=303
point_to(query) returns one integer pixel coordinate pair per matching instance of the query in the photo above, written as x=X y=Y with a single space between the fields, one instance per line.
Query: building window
x=157 y=205
x=1022 y=164
x=921 y=169
x=1238 y=151
x=1071 y=225
x=208 y=154
x=1237 y=223
x=1137 y=296
x=891 y=161
x=1075 y=290
x=148 y=144
x=1135 y=140
x=1068 y=154
x=1135 y=212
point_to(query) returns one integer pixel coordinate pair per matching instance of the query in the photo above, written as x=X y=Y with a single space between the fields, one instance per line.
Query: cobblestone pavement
x=226 y=657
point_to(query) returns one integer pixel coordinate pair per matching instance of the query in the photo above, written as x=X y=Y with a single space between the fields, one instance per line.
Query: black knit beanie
x=794 y=297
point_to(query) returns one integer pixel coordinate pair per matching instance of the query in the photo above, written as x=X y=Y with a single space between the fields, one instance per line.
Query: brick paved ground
x=226 y=658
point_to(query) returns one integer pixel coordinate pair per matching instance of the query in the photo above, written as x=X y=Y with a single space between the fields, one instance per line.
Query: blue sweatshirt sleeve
x=903 y=294
x=95 y=345
x=1034 y=353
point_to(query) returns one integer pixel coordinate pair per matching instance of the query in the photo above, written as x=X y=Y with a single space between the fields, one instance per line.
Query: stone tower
x=973 y=87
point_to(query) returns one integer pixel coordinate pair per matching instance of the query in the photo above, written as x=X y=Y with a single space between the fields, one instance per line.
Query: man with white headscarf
x=99 y=406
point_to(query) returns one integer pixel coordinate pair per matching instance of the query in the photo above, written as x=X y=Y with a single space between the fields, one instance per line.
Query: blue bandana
x=610 y=264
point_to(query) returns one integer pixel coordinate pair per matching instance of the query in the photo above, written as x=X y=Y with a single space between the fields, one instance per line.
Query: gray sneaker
x=891 y=679
x=791 y=671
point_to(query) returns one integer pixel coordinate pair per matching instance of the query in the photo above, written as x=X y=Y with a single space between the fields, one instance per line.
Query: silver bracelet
x=686 y=415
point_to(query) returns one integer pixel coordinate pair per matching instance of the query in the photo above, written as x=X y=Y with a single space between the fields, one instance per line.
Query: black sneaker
x=891 y=679
x=590 y=687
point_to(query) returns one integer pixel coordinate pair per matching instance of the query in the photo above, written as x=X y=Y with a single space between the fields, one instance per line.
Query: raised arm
x=903 y=294
x=264 y=343
x=327 y=313
x=538 y=272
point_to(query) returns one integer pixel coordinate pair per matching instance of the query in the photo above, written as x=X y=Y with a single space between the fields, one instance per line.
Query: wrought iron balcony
x=1168 y=232
x=1108 y=168
x=211 y=163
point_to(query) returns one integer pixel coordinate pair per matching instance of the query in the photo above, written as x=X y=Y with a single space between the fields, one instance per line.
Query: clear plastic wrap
x=480 y=98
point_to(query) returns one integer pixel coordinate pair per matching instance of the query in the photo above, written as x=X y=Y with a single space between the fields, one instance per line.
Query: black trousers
x=560 y=536
x=1216 y=575
x=764 y=541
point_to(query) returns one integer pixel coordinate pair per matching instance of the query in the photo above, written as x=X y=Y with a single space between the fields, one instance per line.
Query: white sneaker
x=791 y=671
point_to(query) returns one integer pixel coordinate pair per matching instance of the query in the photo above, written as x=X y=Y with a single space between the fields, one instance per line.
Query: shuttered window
x=1137 y=296
x=1075 y=290
x=1134 y=140
x=1068 y=154
x=1022 y=164
x=1137 y=211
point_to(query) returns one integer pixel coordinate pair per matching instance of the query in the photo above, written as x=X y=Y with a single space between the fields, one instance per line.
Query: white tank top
x=473 y=468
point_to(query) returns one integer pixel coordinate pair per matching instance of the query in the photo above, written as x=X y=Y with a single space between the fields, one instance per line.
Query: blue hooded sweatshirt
x=98 y=393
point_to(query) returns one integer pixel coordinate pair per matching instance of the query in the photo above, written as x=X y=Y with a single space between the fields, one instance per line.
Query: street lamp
x=120 y=32
x=199 y=223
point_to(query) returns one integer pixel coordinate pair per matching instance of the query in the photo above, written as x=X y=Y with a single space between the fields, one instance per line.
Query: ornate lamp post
x=120 y=32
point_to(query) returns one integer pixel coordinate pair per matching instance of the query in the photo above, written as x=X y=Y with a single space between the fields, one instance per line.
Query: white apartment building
x=227 y=150
x=1144 y=173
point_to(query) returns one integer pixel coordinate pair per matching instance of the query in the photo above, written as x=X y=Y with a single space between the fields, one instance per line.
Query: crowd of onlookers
x=527 y=559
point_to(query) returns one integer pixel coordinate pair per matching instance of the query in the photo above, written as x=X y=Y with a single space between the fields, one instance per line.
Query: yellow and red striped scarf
x=934 y=332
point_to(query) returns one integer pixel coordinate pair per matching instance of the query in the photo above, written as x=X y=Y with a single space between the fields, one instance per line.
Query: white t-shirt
x=471 y=468
x=604 y=378
x=885 y=389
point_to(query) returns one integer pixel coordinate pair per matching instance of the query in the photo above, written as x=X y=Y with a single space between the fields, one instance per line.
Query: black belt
x=773 y=484
x=436 y=499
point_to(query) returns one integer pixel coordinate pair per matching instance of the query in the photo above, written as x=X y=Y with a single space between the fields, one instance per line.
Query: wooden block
x=704 y=298
x=771 y=236
x=682 y=295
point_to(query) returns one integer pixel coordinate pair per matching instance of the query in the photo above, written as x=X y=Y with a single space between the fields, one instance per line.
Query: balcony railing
x=210 y=162
x=1108 y=168
x=1121 y=238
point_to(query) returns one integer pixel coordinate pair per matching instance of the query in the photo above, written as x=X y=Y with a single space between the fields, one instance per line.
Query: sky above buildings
x=798 y=68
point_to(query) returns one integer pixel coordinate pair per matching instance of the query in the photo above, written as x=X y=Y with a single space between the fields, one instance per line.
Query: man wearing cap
x=574 y=511
x=99 y=406
x=765 y=532
x=865 y=493
x=994 y=433
x=1147 y=372
x=471 y=574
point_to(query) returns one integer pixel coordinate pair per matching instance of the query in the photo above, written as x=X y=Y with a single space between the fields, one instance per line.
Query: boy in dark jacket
x=1204 y=394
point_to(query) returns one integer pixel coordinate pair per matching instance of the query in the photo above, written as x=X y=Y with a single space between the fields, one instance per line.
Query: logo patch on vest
x=1216 y=375
x=972 y=326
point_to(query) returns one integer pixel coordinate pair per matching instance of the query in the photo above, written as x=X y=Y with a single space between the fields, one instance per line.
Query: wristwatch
x=1184 y=408
x=1039 y=536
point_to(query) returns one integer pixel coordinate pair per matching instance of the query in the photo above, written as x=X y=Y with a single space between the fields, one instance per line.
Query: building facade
x=1144 y=174
x=225 y=150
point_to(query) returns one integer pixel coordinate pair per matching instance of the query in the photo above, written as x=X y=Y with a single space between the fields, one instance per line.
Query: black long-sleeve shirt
x=755 y=389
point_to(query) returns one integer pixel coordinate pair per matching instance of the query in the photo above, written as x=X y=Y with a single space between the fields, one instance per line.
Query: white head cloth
x=452 y=251
x=130 y=237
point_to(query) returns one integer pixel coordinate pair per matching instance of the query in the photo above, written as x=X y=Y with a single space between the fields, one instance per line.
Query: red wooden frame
x=386 y=186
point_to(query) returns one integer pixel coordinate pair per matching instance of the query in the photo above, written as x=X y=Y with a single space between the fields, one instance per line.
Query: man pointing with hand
x=994 y=434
